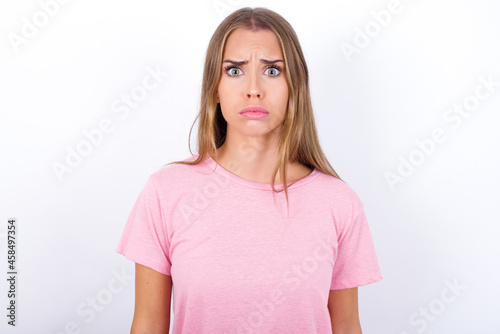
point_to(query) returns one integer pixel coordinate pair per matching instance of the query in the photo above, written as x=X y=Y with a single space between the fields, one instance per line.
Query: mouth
x=254 y=111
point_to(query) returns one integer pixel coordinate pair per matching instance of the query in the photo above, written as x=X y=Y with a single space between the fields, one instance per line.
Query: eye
x=274 y=70
x=233 y=71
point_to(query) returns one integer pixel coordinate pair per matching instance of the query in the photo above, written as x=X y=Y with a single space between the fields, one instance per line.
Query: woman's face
x=254 y=83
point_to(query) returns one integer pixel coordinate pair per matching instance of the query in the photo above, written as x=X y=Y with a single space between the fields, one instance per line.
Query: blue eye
x=233 y=70
x=275 y=68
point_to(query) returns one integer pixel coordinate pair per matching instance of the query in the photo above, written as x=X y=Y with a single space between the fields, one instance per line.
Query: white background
x=437 y=228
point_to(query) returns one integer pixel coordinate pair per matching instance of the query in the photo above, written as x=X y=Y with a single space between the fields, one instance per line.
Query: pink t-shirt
x=238 y=262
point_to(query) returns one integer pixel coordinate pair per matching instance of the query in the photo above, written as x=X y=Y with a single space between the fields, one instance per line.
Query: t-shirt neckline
x=257 y=185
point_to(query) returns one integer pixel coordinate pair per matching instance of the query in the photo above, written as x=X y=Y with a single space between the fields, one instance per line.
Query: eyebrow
x=262 y=60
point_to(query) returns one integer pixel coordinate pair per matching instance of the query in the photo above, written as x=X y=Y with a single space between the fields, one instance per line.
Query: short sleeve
x=356 y=263
x=144 y=239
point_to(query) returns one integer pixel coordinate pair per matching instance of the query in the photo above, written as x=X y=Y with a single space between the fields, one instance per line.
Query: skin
x=250 y=152
x=343 y=308
x=153 y=292
x=250 y=148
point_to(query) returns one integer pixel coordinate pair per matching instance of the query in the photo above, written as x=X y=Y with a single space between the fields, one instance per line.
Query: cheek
x=281 y=94
x=224 y=90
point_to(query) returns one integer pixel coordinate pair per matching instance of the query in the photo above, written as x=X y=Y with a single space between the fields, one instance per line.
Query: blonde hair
x=298 y=140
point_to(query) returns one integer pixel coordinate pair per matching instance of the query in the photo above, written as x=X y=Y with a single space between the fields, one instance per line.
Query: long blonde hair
x=298 y=140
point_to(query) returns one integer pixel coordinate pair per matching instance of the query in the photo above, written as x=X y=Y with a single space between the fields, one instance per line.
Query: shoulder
x=336 y=188
x=175 y=175
x=339 y=194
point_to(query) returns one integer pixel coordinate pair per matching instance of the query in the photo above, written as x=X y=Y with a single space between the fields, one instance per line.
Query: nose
x=254 y=88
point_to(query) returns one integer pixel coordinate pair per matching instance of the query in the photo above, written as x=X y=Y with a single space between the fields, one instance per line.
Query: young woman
x=256 y=233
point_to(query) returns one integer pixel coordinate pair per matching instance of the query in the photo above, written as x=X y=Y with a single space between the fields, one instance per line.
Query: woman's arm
x=152 y=301
x=343 y=307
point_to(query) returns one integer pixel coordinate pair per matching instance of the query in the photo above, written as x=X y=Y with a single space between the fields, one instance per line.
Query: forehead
x=242 y=41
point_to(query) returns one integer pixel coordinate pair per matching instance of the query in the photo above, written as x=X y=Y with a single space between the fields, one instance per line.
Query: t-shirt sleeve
x=144 y=239
x=356 y=262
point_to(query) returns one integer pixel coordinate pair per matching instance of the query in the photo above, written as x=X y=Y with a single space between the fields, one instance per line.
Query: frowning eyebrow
x=243 y=62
